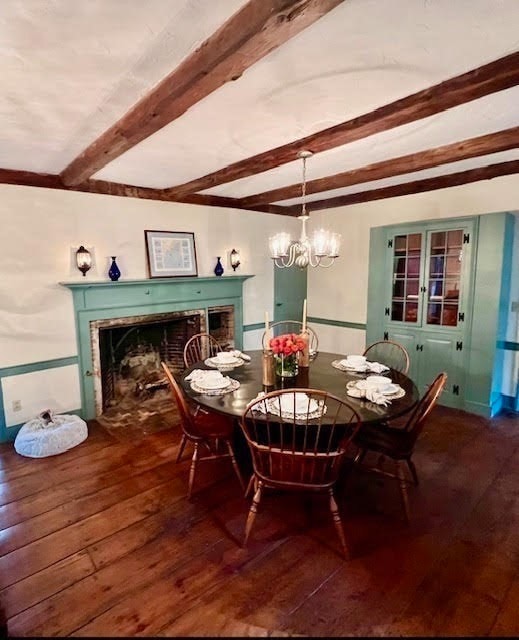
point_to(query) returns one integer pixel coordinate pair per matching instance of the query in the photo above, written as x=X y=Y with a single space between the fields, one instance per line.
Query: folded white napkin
x=240 y=354
x=375 y=396
x=203 y=374
x=377 y=367
x=359 y=390
x=261 y=406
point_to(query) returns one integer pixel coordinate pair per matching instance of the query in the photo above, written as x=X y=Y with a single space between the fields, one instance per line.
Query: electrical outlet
x=17 y=405
x=515 y=306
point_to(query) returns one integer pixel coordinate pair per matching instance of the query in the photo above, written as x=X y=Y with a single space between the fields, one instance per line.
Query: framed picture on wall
x=170 y=253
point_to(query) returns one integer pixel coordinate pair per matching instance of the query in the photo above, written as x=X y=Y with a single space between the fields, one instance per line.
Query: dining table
x=320 y=374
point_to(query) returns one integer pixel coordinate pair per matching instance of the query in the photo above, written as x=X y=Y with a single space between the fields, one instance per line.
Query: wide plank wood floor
x=101 y=541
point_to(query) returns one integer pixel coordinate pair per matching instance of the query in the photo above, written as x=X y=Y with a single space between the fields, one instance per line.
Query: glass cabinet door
x=444 y=277
x=407 y=256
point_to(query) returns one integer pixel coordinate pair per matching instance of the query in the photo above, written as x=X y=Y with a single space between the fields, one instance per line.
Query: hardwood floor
x=101 y=541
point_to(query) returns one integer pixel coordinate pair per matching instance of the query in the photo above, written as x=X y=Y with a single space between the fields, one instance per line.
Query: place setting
x=227 y=360
x=359 y=364
x=377 y=389
x=298 y=406
x=211 y=382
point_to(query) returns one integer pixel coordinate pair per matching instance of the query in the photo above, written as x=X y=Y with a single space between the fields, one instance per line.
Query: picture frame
x=170 y=254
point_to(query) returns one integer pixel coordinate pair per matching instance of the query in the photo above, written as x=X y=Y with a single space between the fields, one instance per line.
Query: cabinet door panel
x=439 y=354
x=407 y=338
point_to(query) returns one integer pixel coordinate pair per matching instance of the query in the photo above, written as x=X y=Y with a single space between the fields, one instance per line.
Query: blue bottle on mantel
x=218 y=270
x=114 y=273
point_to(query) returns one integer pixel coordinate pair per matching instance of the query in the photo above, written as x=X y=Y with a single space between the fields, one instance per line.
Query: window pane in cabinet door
x=412 y=289
x=400 y=245
x=434 y=313
x=438 y=243
x=411 y=311
x=414 y=242
x=398 y=288
x=397 y=311
x=453 y=265
x=436 y=267
x=443 y=290
x=454 y=239
x=407 y=251
x=450 y=315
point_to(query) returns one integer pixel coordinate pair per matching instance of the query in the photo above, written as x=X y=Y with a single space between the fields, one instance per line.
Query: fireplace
x=216 y=303
x=127 y=353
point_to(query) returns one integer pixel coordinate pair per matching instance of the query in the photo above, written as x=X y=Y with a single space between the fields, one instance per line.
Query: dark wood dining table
x=319 y=375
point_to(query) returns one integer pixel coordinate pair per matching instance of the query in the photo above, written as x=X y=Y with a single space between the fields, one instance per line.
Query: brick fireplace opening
x=129 y=386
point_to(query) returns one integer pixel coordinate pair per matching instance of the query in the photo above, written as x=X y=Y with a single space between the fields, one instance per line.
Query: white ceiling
x=71 y=69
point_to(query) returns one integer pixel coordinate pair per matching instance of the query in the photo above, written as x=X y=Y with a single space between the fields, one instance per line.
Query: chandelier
x=318 y=251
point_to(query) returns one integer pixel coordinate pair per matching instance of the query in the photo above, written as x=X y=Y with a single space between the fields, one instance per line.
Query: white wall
x=40 y=232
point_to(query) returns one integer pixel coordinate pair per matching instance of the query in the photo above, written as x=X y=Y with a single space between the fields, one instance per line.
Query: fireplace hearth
x=128 y=352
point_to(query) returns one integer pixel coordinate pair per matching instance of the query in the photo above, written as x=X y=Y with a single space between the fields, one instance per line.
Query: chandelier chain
x=303 y=189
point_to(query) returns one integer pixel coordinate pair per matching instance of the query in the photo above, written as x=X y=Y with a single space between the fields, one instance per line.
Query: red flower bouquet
x=287 y=344
x=286 y=347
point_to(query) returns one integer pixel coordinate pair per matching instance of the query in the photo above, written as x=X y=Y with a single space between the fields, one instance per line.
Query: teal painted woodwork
x=337 y=323
x=467 y=351
x=107 y=300
x=493 y=268
x=290 y=287
x=9 y=433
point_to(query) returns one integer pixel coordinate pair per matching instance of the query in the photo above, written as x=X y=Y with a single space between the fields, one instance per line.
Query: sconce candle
x=235 y=259
x=83 y=259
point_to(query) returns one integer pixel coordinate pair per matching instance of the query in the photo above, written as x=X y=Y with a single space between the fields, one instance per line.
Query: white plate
x=350 y=367
x=287 y=404
x=224 y=363
x=213 y=384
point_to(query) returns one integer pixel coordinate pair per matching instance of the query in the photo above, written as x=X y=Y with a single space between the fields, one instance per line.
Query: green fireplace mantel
x=106 y=300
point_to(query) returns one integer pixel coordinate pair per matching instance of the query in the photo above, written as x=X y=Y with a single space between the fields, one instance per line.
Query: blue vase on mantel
x=218 y=270
x=114 y=273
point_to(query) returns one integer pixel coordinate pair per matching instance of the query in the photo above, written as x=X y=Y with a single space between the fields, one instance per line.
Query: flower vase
x=286 y=366
x=218 y=270
x=114 y=273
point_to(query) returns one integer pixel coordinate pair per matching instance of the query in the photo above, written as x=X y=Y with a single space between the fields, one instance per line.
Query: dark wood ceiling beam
x=496 y=76
x=258 y=28
x=52 y=181
x=408 y=188
x=470 y=148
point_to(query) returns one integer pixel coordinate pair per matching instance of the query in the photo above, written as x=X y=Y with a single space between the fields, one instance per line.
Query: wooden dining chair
x=211 y=433
x=390 y=353
x=301 y=453
x=398 y=442
x=292 y=326
x=199 y=347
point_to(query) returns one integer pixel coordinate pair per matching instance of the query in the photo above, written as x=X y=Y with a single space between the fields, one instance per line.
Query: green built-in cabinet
x=439 y=287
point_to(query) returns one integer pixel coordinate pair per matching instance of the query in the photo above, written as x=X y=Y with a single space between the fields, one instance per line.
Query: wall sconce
x=83 y=259
x=235 y=259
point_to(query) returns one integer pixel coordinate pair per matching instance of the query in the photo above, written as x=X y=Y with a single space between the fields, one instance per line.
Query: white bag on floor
x=48 y=435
